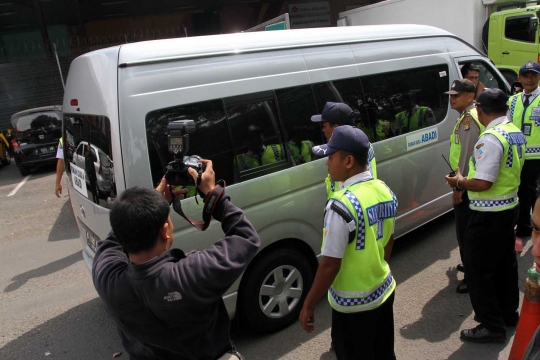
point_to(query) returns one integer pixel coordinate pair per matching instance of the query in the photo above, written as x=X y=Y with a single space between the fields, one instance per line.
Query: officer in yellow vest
x=258 y=154
x=300 y=149
x=462 y=141
x=492 y=184
x=524 y=112
x=374 y=128
x=414 y=117
x=357 y=242
x=59 y=168
x=334 y=115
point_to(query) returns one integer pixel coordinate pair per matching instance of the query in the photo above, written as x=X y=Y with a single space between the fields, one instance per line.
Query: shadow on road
x=65 y=227
x=45 y=270
x=83 y=332
x=10 y=175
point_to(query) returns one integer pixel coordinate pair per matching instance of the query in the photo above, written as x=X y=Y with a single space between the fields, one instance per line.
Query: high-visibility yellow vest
x=331 y=185
x=528 y=121
x=272 y=153
x=301 y=154
x=364 y=281
x=416 y=121
x=376 y=134
x=503 y=193
x=455 y=146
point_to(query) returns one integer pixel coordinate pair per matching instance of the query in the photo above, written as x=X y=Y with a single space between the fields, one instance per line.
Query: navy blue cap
x=461 y=86
x=491 y=98
x=531 y=66
x=346 y=138
x=335 y=113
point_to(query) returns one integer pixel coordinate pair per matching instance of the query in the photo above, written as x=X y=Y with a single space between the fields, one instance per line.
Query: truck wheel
x=24 y=171
x=7 y=158
x=510 y=76
x=272 y=293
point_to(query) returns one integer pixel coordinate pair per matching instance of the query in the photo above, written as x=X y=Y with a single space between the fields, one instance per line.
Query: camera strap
x=210 y=200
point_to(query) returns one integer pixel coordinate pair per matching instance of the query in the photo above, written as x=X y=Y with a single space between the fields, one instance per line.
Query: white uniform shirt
x=488 y=153
x=60 y=152
x=533 y=94
x=336 y=235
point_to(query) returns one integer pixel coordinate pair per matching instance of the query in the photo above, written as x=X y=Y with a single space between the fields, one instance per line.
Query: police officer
x=300 y=149
x=357 y=242
x=258 y=154
x=492 y=184
x=59 y=168
x=334 y=115
x=414 y=117
x=375 y=129
x=462 y=141
x=525 y=113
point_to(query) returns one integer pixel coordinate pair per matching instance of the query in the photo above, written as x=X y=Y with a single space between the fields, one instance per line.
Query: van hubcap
x=281 y=291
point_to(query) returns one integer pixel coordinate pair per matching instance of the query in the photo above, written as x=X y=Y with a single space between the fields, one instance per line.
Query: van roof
x=38 y=109
x=229 y=44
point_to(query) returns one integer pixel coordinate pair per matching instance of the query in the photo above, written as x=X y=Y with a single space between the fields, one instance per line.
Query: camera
x=176 y=172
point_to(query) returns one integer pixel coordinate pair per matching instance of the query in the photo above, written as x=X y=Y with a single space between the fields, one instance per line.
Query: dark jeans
x=366 y=335
x=462 y=213
x=490 y=260
x=530 y=174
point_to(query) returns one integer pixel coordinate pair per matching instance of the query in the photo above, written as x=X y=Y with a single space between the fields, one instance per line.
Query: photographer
x=168 y=304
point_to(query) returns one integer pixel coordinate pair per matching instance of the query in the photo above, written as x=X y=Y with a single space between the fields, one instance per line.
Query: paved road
x=48 y=303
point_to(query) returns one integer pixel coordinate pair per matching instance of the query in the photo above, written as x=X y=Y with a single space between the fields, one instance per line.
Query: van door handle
x=506 y=53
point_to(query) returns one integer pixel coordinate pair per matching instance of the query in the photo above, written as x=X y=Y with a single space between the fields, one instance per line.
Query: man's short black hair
x=136 y=218
x=361 y=159
x=468 y=67
x=502 y=110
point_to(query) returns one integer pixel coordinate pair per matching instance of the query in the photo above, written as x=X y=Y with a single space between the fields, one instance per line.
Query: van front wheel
x=273 y=292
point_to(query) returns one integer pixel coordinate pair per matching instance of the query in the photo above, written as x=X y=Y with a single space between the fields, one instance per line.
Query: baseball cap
x=531 y=66
x=491 y=98
x=460 y=86
x=346 y=138
x=335 y=113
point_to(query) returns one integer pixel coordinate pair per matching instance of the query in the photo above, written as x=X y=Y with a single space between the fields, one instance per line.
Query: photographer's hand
x=208 y=178
x=163 y=189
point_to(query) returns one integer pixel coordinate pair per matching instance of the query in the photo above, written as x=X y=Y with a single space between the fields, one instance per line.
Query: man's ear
x=164 y=232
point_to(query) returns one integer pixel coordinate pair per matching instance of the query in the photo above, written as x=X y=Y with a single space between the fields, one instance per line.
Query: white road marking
x=19 y=186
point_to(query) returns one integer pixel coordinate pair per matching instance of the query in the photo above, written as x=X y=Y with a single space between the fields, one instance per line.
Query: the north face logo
x=173 y=296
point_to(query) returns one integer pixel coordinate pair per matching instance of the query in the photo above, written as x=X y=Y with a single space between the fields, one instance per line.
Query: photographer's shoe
x=480 y=334
x=460 y=268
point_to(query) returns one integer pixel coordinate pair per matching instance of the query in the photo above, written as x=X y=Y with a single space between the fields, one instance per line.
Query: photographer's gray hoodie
x=171 y=307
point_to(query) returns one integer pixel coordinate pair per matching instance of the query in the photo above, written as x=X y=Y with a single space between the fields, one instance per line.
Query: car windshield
x=45 y=120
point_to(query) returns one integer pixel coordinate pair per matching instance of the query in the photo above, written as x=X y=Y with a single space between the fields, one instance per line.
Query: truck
x=504 y=30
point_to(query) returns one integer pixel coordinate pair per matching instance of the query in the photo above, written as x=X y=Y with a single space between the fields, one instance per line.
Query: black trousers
x=462 y=213
x=366 y=335
x=530 y=174
x=492 y=271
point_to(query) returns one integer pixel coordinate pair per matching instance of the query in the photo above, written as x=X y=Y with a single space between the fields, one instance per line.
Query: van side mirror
x=533 y=24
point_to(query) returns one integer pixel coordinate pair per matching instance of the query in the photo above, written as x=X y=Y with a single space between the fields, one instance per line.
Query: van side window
x=88 y=157
x=255 y=131
x=296 y=106
x=325 y=92
x=409 y=100
x=517 y=28
x=210 y=140
x=487 y=77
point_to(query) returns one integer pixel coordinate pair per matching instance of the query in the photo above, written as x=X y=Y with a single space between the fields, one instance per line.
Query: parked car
x=36 y=133
x=5 y=158
x=102 y=167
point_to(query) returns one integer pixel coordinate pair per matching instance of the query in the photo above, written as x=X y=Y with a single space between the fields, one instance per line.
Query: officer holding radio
x=492 y=185
x=168 y=304
x=462 y=141
x=524 y=112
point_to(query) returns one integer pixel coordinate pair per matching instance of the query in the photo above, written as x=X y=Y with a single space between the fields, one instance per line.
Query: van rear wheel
x=274 y=290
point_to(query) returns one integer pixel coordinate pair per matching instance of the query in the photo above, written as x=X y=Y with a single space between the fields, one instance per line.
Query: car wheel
x=24 y=171
x=7 y=158
x=272 y=293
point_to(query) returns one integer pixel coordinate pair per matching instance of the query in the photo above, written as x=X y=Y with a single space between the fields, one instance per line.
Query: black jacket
x=172 y=306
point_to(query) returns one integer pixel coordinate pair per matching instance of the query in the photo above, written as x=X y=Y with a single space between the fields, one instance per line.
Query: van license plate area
x=91 y=239
x=45 y=150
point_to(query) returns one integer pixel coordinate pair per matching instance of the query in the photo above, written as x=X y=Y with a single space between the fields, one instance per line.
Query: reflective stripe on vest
x=455 y=148
x=503 y=193
x=528 y=121
x=373 y=207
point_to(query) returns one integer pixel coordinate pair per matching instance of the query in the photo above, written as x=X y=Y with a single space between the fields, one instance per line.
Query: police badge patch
x=467 y=124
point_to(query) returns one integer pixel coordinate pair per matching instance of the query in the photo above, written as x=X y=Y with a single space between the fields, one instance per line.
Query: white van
x=121 y=100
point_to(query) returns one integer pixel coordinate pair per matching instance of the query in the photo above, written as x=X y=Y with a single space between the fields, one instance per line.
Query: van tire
x=510 y=76
x=262 y=271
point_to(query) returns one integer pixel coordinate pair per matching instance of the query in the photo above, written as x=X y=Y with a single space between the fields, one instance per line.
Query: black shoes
x=460 y=268
x=480 y=334
x=462 y=288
